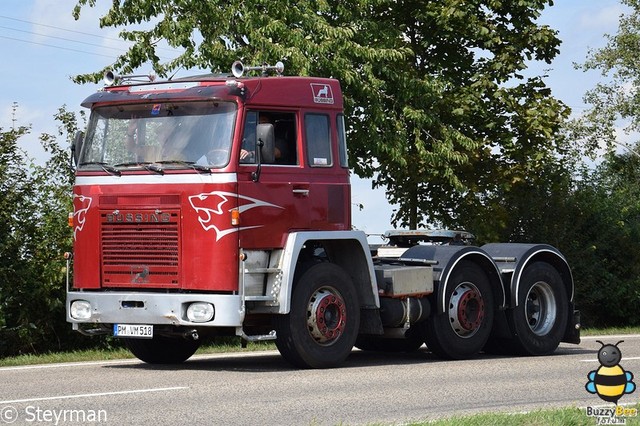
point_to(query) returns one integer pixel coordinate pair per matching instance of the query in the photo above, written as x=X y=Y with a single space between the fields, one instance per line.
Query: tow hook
x=191 y=334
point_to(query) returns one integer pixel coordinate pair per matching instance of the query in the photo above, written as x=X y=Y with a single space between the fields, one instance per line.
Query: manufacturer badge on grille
x=139 y=274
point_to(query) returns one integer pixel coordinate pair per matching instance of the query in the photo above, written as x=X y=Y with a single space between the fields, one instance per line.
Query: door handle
x=301 y=192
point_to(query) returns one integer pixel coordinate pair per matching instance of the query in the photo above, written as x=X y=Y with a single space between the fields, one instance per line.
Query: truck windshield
x=174 y=134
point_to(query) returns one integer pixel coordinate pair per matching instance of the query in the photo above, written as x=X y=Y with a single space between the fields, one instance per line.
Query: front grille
x=140 y=248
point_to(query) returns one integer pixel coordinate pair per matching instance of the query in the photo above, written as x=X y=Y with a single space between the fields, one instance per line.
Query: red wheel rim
x=326 y=315
x=466 y=310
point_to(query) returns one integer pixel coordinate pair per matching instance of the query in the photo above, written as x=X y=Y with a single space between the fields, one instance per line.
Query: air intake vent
x=140 y=248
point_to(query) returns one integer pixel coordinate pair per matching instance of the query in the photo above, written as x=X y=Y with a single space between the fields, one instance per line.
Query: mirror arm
x=255 y=176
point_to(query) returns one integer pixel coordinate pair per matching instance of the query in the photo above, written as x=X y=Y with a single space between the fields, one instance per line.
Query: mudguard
x=513 y=258
x=350 y=251
x=444 y=258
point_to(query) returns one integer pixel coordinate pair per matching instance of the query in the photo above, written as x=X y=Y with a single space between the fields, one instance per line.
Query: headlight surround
x=200 y=312
x=80 y=310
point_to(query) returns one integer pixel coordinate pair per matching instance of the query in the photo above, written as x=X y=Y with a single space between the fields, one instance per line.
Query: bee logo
x=610 y=381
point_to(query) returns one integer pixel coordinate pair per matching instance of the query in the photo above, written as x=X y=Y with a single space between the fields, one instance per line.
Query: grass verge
x=609 y=331
x=118 y=352
x=564 y=416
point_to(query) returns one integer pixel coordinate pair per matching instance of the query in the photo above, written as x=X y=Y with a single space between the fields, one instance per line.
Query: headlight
x=80 y=309
x=200 y=312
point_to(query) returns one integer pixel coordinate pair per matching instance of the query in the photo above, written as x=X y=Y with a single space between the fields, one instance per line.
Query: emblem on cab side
x=211 y=204
x=80 y=213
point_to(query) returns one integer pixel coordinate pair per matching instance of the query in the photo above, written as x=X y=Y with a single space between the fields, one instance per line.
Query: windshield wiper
x=153 y=168
x=105 y=166
x=144 y=164
x=132 y=163
x=189 y=164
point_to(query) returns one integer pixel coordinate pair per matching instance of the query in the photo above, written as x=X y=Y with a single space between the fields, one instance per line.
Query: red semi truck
x=220 y=205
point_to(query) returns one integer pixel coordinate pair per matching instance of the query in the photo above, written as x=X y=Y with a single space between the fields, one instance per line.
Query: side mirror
x=76 y=146
x=266 y=143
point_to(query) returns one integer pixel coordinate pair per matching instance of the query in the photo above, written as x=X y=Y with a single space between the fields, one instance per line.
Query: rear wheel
x=162 y=350
x=322 y=325
x=463 y=329
x=539 y=320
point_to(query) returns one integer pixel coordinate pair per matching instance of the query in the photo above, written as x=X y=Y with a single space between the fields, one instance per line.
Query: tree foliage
x=485 y=125
x=606 y=227
x=615 y=101
x=438 y=109
x=34 y=205
x=601 y=235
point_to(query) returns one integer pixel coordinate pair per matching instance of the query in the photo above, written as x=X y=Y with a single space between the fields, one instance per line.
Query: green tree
x=616 y=101
x=531 y=208
x=15 y=210
x=602 y=230
x=438 y=110
x=606 y=228
x=485 y=128
x=34 y=233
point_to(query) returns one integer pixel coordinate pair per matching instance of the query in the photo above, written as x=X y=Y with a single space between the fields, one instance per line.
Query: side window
x=248 y=150
x=284 y=129
x=318 y=140
x=342 y=141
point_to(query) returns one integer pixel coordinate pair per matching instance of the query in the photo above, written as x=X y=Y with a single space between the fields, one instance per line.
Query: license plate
x=133 y=330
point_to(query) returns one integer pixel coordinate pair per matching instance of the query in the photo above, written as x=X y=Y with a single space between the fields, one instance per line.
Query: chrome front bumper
x=155 y=309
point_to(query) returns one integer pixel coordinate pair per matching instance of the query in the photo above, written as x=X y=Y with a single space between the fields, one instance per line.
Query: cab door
x=306 y=188
x=273 y=199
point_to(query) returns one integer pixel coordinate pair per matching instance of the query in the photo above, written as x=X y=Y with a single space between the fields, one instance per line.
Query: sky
x=42 y=46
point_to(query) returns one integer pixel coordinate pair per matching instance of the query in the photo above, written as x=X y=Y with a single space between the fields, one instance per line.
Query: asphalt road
x=261 y=389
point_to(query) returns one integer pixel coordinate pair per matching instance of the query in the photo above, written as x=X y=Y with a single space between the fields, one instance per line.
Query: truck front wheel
x=463 y=329
x=162 y=350
x=322 y=325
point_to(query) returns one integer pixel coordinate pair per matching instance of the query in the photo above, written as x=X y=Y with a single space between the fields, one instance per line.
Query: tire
x=322 y=325
x=162 y=350
x=539 y=321
x=414 y=339
x=462 y=331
